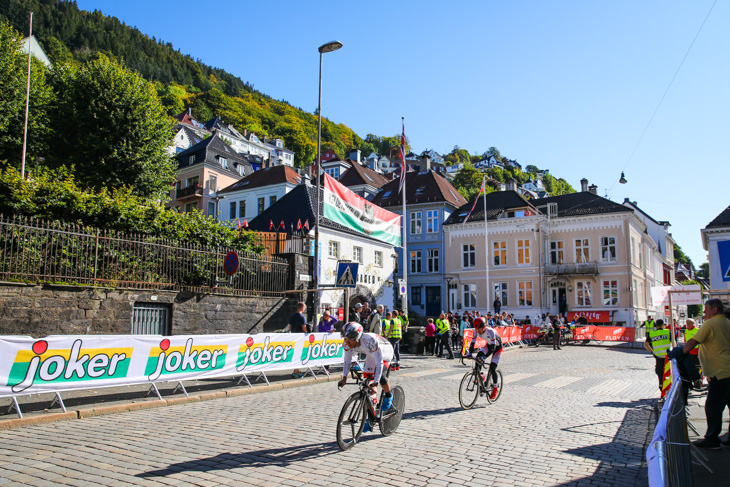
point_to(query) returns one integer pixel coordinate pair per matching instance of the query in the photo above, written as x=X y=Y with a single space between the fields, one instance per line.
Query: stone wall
x=41 y=310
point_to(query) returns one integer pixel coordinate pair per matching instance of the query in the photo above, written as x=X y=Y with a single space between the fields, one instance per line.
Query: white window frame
x=499 y=251
x=610 y=292
x=582 y=250
x=608 y=249
x=469 y=295
x=583 y=293
x=432 y=259
x=524 y=294
x=501 y=289
x=333 y=251
x=416 y=224
x=357 y=254
x=432 y=221
x=378 y=258
x=468 y=255
x=557 y=251
x=212 y=183
x=524 y=254
x=415 y=261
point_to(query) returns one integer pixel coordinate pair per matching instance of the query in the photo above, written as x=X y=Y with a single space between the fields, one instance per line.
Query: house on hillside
x=362 y=180
x=278 y=154
x=243 y=143
x=430 y=200
x=201 y=170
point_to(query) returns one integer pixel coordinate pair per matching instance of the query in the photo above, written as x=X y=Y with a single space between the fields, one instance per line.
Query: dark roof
x=583 y=203
x=266 y=177
x=722 y=220
x=194 y=138
x=297 y=205
x=358 y=174
x=497 y=203
x=633 y=203
x=209 y=150
x=421 y=187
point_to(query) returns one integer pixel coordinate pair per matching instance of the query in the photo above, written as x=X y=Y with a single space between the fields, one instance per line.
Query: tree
x=110 y=124
x=468 y=180
x=493 y=151
x=530 y=169
x=704 y=270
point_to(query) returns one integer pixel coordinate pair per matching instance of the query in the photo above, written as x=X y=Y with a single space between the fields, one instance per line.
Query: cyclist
x=378 y=352
x=493 y=348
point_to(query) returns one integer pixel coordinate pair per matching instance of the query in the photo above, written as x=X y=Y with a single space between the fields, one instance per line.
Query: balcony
x=194 y=190
x=582 y=269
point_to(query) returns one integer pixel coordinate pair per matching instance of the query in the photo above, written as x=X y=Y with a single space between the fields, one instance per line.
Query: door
x=554 y=300
x=452 y=298
x=433 y=300
x=151 y=319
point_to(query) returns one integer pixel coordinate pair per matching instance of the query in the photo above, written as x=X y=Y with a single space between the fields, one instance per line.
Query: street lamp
x=328 y=47
x=448 y=280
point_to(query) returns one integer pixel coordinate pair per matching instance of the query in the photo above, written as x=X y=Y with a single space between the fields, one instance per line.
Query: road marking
x=516 y=377
x=422 y=373
x=558 y=382
x=610 y=387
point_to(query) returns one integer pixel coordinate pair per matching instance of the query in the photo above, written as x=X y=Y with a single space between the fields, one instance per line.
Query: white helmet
x=353 y=331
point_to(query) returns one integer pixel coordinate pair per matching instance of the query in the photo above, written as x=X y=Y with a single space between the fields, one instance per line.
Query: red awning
x=593 y=316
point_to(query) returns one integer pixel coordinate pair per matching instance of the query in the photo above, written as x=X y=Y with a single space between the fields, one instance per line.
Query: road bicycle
x=359 y=407
x=473 y=385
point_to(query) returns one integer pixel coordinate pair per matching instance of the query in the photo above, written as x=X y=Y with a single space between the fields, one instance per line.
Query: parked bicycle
x=360 y=407
x=475 y=384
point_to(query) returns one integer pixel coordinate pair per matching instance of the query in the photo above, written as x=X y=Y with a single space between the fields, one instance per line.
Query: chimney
x=592 y=189
x=244 y=131
x=584 y=185
x=511 y=185
x=190 y=111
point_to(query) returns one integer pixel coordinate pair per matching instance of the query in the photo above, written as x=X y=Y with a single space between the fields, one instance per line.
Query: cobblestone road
x=574 y=417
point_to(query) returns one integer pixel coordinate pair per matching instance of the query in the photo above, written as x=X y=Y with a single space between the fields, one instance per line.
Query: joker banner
x=346 y=208
x=63 y=363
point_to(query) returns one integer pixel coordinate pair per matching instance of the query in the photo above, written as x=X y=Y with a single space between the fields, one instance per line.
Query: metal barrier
x=669 y=457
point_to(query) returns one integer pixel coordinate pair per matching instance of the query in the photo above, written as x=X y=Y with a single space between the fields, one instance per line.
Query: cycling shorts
x=369 y=372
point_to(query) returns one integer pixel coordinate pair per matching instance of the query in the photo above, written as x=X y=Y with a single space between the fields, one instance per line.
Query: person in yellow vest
x=658 y=342
x=689 y=332
x=649 y=324
x=394 y=332
x=443 y=336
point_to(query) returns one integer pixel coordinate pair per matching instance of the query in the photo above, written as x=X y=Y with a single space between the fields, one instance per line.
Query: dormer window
x=240 y=169
x=387 y=195
x=223 y=162
x=191 y=160
x=421 y=190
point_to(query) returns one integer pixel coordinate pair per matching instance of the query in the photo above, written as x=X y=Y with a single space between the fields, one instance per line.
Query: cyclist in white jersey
x=378 y=353
x=492 y=348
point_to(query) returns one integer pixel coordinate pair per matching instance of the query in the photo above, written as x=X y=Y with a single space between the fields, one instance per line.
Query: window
x=469 y=254
x=635 y=291
x=415 y=222
x=261 y=205
x=212 y=183
x=633 y=250
x=556 y=252
x=523 y=252
x=357 y=254
x=232 y=210
x=223 y=162
x=416 y=295
x=192 y=181
x=432 y=221
x=502 y=292
x=272 y=200
x=415 y=261
x=432 y=256
x=378 y=258
x=524 y=293
x=583 y=293
x=608 y=249
x=582 y=251
x=191 y=160
x=470 y=295
x=610 y=293
x=242 y=209
x=499 y=252
x=334 y=249
x=191 y=206
x=211 y=209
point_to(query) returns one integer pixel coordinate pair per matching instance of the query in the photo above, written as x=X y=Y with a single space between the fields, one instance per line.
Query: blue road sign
x=347 y=274
x=723 y=252
x=230 y=264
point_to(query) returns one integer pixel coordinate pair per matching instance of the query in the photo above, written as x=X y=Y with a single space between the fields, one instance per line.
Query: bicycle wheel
x=391 y=419
x=500 y=383
x=469 y=390
x=351 y=421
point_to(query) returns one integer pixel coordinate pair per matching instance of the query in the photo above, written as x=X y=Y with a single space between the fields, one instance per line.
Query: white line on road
x=610 y=387
x=558 y=382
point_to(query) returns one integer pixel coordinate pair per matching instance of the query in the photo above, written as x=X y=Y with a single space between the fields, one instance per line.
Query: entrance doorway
x=433 y=300
x=558 y=298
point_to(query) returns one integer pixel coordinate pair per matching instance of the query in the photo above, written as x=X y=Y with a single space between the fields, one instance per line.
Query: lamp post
x=448 y=280
x=328 y=47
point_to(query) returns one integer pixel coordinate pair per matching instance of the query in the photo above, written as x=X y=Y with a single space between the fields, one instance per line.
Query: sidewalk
x=717 y=460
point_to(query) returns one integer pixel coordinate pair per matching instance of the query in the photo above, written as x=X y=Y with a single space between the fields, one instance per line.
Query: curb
x=134 y=406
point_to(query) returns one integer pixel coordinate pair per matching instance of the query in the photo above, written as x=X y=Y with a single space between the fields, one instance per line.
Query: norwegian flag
x=306 y=223
x=245 y=223
x=402 y=157
x=281 y=225
x=299 y=224
x=271 y=224
x=239 y=224
x=481 y=191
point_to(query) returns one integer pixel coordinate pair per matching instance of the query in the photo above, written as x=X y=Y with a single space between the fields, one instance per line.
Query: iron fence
x=41 y=251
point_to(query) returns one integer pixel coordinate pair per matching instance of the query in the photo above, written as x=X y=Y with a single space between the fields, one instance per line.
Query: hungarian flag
x=481 y=191
x=299 y=224
x=271 y=224
x=281 y=225
x=306 y=223
x=402 y=157
x=355 y=212
x=245 y=223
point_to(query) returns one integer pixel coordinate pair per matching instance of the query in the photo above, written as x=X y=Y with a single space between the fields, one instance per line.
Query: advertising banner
x=593 y=316
x=681 y=295
x=58 y=363
x=604 y=333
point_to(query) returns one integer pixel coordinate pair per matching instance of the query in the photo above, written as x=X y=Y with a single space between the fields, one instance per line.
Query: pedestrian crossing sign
x=723 y=252
x=347 y=274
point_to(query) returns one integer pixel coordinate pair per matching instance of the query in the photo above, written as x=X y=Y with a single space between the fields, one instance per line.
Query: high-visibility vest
x=660 y=342
x=442 y=326
x=393 y=329
x=688 y=334
x=649 y=326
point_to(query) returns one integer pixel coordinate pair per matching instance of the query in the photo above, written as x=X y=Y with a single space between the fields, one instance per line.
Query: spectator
x=658 y=342
x=385 y=323
x=455 y=334
x=443 y=338
x=430 y=337
x=298 y=324
x=356 y=315
x=393 y=331
x=365 y=313
x=327 y=323
x=490 y=321
x=375 y=320
x=689 y=333
x=713 y=338
x=526 y=321
x=497 y=306
x=556 y=334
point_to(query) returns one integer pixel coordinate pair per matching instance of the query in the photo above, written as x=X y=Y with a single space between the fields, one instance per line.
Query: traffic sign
x=402 y=287
x=723 y=252
x=231 y=263
x=347 y=274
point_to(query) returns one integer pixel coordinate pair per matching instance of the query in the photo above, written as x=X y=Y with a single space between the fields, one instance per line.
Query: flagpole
x=486 y=241
x=404 y=298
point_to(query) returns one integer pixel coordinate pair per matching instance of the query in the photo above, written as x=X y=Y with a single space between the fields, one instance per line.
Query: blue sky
x=565 y=85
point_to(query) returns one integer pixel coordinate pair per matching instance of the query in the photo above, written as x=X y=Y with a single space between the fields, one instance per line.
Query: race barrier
x=604 y=333
x=64 y=363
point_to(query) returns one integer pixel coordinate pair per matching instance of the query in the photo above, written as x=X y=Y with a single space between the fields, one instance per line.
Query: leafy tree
x=530 y=169
x=493 y=151
x=110 y=123
x=704 y=270
x=468 y=180
x=680 y=256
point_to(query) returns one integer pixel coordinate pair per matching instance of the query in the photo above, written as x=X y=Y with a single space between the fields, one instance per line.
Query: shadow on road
x=429 y=412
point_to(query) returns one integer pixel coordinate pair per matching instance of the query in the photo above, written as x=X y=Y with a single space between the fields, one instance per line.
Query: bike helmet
x=479 y=322
x=353 y=331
